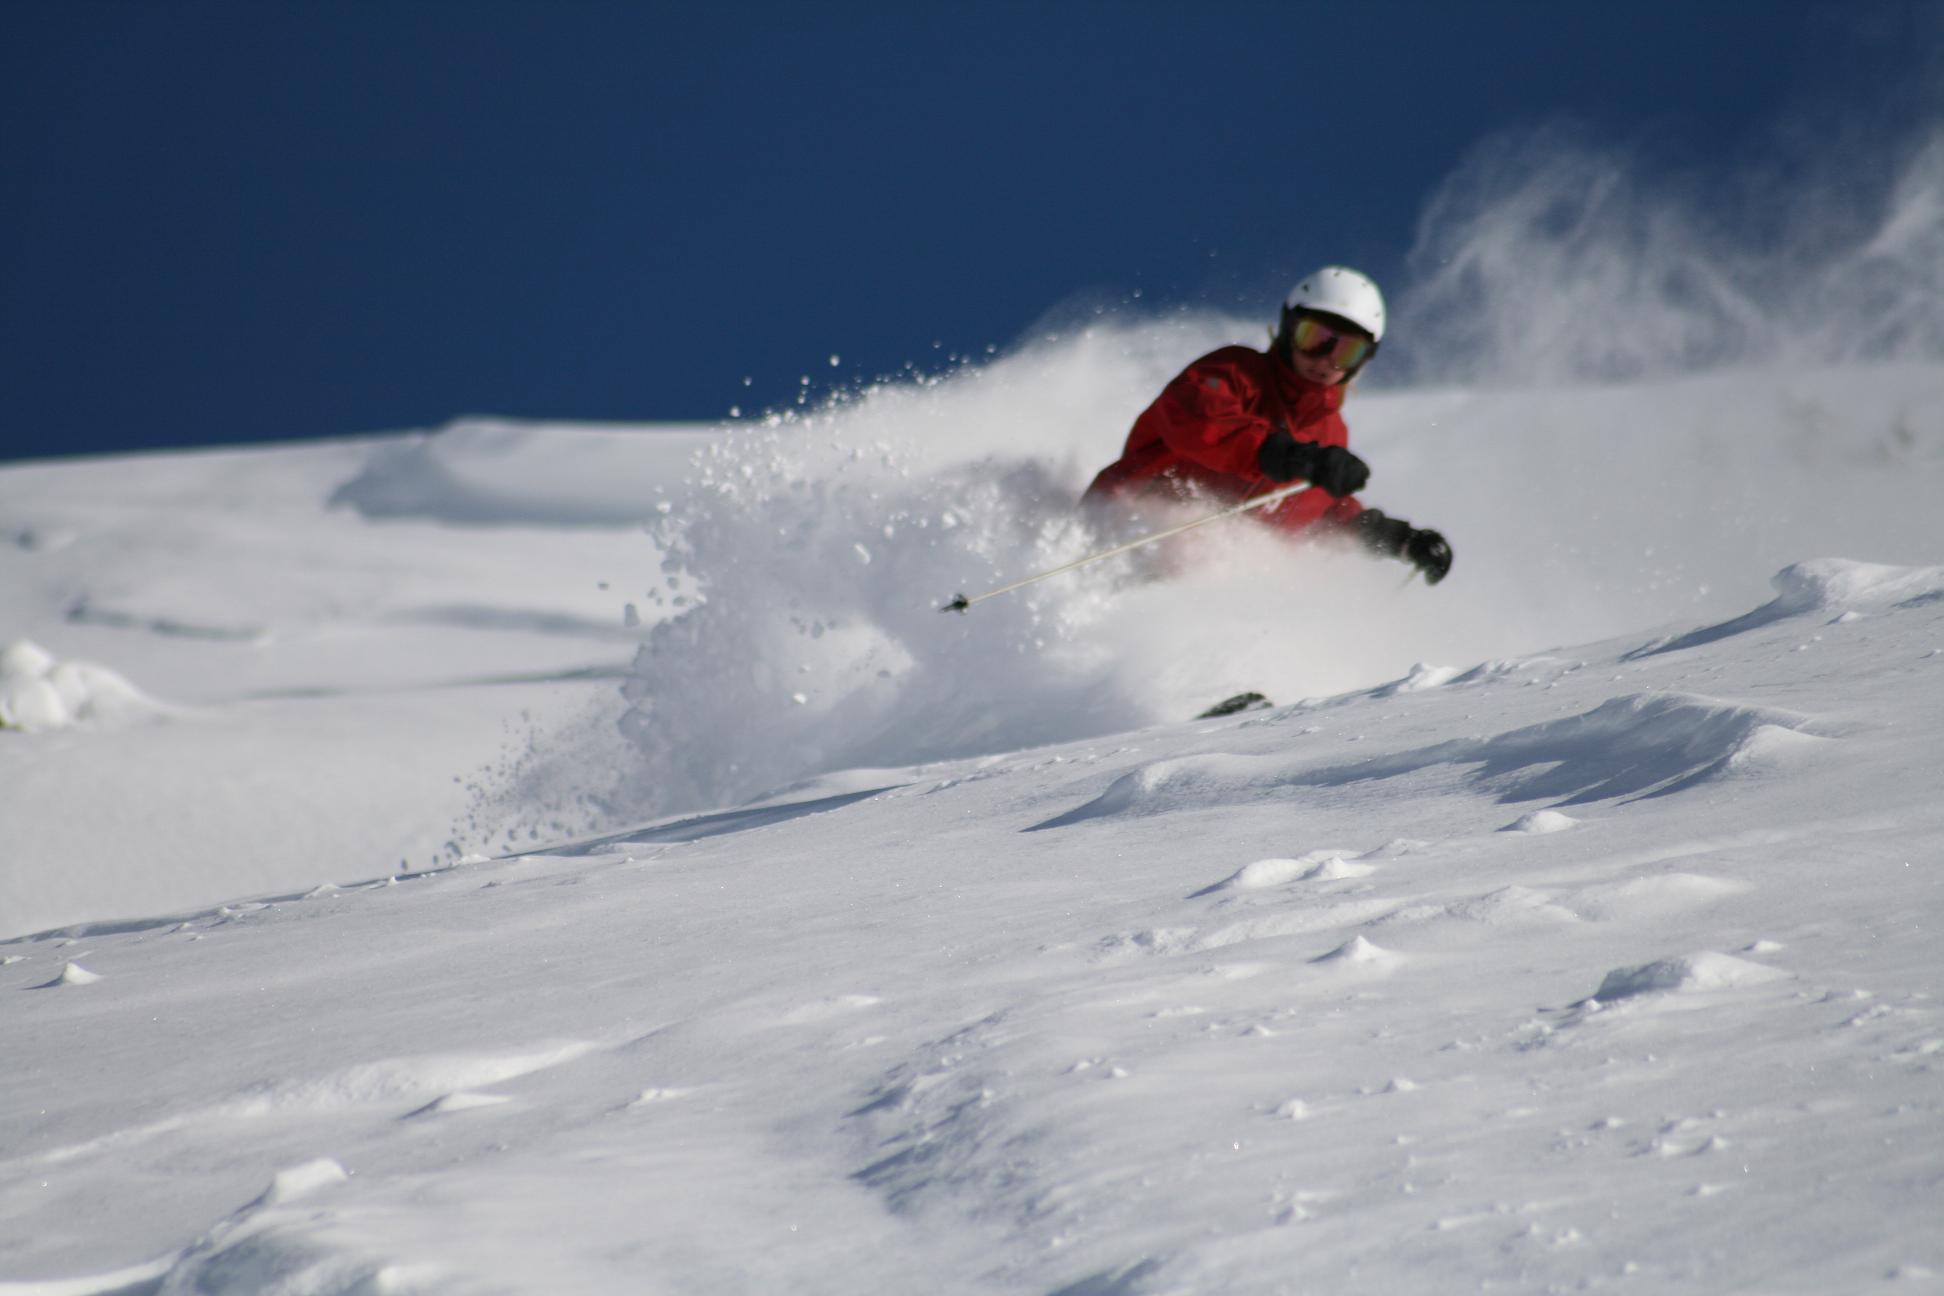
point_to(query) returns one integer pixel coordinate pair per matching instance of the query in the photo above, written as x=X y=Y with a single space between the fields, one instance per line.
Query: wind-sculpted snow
x=1636 y=745
x=1306 y=1008
x=1824 y=585
x=1693 y=972
x=264 y=1247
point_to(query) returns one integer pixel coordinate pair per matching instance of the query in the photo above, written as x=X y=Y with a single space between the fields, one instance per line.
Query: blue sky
x=249 y=222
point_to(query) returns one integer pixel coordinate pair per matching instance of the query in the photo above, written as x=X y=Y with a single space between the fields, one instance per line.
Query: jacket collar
x=1303 y=399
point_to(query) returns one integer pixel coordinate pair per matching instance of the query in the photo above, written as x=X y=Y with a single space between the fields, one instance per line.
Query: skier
x=1240 y=422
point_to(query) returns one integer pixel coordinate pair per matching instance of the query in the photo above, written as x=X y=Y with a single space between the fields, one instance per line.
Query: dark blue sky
x=249 y=221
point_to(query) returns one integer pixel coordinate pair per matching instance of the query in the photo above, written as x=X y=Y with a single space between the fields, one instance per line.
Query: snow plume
x=795 y=625
x=1547 y=258
x=792 y=628
x=806 y=560
x=810 y=638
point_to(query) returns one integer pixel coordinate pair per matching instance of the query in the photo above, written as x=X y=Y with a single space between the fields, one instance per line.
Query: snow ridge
x=1634 y=745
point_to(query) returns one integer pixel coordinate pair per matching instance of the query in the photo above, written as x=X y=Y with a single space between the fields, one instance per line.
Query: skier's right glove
x=1430 y=553
x=1283 y=458
x=1392 y=537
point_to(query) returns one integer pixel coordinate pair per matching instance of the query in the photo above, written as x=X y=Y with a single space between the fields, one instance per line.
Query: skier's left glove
x=1283 y=458
x=1395 y=538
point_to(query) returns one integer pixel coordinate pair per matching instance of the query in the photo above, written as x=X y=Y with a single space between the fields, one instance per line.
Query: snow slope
x=554 y=858
x=1606 y=967
x=323 y=685
x=389 y=652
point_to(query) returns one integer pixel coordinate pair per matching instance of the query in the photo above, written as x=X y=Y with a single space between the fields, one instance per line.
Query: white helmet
x=1341 y=291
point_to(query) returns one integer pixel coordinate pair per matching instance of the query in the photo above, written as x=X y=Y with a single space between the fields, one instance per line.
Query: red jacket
x=1201 y=435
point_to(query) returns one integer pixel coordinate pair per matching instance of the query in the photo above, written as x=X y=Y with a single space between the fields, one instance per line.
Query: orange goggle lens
x=1313 y=337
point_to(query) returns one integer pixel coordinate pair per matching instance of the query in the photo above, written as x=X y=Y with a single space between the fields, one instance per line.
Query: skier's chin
x=1318 y=372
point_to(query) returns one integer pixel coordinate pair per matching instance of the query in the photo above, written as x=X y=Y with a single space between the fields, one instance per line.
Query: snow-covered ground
x=1571 y=925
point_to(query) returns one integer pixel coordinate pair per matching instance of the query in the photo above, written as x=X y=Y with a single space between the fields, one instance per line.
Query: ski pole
x=961 y=603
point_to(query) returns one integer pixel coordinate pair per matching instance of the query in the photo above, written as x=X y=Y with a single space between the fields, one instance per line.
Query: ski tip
x=959 y=603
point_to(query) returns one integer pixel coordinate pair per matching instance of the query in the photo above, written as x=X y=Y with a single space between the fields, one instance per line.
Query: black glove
x=1430 y=554
x=1396 y=538
x=1283 y=458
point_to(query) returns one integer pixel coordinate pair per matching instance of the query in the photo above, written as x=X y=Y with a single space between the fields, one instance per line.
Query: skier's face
x=1321 y=370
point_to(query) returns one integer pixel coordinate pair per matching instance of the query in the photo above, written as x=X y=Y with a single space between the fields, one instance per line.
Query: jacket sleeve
x=1207 y=415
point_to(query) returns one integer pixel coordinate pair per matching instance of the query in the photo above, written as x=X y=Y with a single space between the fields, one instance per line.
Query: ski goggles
x=1312 y=337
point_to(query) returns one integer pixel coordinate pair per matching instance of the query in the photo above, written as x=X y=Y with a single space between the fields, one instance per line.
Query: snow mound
x=1360 y=950
x=1636 y=745
x=1772 y=749
x=1337 y=868
x=39 y=693
x=1841 y=584
x=72 y=974
x=404 y=1078
x=1264 y=873
x=1541 y=821
x=301 y=1181
x=1422 y=676
x=1315 y=866
x=1841 y=589
x=1692 y=972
